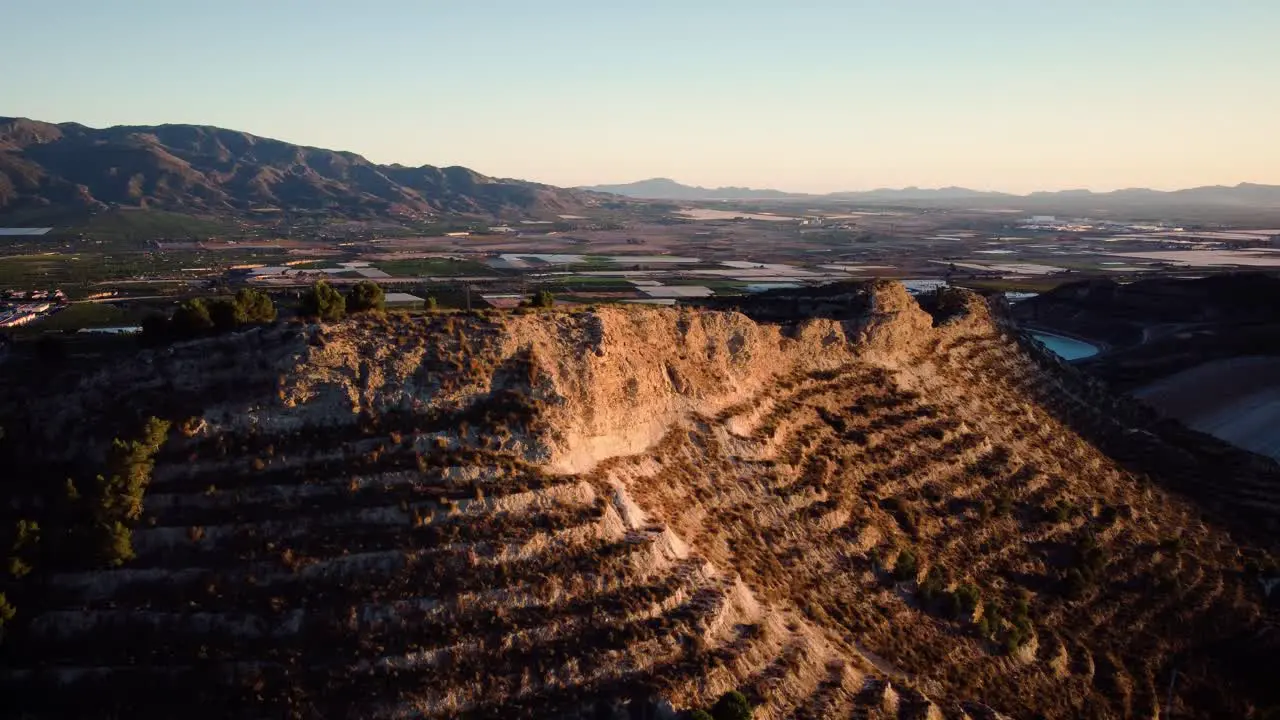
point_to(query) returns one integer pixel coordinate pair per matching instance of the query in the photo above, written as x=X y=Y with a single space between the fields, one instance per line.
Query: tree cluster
x=1013 y=635
x=365 y=296
x=323 y=302
x=199 y=317
x=544 y=299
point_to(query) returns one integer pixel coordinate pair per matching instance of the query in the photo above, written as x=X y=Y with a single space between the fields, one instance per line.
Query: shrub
x=732 y=705
x=225 y=315
x=323 y=302
x=1109 y=515
x=191 y=319
x=1021 y=610
x=1060 y=512
x=1075 y=584
x=1003 y=506
x=7 y=612
x=985 y=628
x=907 y=566
x=116 y=546
x=365 y=296
x=700 y=715
x=991 y=621
x=26 y=537
x=903 y=513
x=430 y=304
x=934 y=584
x=953 y=608
x=18 y=568
x=1016 y=638
x=1091 y=559
x=255 y=306
x=247 y=307
x=26 y=534
x=969 y=597
x=544 y=299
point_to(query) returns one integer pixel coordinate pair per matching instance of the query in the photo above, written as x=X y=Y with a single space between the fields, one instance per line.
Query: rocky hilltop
x=867 y=509
x=208 y=170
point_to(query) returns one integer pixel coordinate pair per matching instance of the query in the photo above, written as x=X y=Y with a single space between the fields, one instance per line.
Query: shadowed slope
x=203 y=169
x=871 y=515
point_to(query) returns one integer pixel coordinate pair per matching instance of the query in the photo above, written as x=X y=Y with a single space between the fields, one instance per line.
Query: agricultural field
x=608 y=254
x=431 y=267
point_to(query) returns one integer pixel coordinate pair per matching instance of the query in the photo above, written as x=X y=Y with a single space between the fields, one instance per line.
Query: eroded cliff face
x=608 y=382
x=547 y=514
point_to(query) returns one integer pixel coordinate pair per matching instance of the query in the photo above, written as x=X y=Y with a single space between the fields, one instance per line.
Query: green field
x=136 y=226
x=74 y=271
x=144 y=225
x=434 y=267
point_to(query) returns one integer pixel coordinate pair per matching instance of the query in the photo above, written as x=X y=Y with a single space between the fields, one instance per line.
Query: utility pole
x=467 y=288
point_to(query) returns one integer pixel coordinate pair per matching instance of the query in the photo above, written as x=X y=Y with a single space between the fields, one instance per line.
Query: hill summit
x=838 y=502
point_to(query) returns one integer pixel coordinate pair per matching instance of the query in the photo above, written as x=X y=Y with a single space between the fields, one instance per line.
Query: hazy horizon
x=834 y=96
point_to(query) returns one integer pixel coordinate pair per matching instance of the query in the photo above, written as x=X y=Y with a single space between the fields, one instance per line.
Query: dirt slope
x=1237 y=400
x=629 y=511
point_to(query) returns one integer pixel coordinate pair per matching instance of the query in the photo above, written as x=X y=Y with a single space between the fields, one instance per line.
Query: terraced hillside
x=876 y=511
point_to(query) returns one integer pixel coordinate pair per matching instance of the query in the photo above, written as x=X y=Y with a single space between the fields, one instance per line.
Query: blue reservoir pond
x=1065 y=347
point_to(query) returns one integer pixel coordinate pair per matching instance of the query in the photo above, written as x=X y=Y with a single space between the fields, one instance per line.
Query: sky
x=802 y=95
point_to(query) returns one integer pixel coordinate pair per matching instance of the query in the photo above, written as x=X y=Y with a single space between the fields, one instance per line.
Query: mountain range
x=209 y=170
x=1244 y=194
x=206 y=170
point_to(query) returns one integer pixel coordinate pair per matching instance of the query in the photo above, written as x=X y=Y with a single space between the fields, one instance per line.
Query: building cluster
x=1055 y=224
x=20 y=308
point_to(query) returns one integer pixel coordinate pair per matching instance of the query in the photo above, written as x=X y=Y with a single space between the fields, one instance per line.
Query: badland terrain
x=840 y=502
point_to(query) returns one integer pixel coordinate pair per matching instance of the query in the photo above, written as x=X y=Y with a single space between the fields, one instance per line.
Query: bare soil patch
x=1236 y=400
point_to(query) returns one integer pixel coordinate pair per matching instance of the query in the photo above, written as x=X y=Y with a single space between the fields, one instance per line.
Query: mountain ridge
x=206 y=169
x=668 y=189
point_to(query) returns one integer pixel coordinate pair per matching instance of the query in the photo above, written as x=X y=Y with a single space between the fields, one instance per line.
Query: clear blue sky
x=803 y=94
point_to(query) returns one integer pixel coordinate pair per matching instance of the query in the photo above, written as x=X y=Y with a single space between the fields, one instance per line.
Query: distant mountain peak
x=668 y=189
x=1242 y=194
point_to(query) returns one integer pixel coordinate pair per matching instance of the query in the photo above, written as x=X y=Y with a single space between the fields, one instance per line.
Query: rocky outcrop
x=629 y=511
